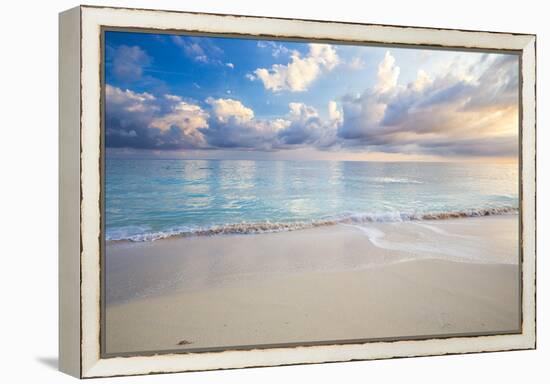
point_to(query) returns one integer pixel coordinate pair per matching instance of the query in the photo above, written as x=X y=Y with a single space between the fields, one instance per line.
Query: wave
x=394 y=180
x=245 y=228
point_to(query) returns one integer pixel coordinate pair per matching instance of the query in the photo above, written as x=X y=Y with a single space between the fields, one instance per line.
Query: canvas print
x=261 y=193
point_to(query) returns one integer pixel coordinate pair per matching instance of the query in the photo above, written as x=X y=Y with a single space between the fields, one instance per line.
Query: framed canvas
x=244 y=191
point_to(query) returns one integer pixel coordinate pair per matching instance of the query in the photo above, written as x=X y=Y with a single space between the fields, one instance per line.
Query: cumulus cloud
x=305 y=125
x=307 y=128
x=388 y=73
x=183 y=121
x=226 y=110
x=334 y=113
x=297 y=75
x=233 y=125
x=140 y=120
x=128 y=62
x=462 y=113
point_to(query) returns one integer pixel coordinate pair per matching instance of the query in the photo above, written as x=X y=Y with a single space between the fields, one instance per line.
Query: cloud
x=200 y=49
x=300 y=72
x=307 y=128
x=502 y=75
x=357 y=63
x=305 y=125
x=233 y=125
x=276 y=49
x=183 y=122
x=467 y=112
x=388 y=73
x=230 y=65
x=466 y=109
x=140 y=120
x=143 y=121
x=334 y=113
x=229 y=109
x=128 y=62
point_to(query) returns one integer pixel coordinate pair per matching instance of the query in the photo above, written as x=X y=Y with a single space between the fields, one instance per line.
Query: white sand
x=332 y=283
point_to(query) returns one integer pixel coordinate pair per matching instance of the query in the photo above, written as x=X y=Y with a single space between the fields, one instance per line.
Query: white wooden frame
x=80 y=146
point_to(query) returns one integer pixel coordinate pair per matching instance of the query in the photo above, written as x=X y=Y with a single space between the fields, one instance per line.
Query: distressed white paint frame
x=90 y=20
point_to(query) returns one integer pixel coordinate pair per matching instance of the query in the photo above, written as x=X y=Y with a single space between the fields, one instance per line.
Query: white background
x=28 y=190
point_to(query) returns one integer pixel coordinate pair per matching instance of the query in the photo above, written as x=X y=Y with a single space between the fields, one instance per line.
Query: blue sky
x=212 y=97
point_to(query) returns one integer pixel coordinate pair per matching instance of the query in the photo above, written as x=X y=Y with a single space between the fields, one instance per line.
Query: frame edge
x=528 y=190
x=69 y=192
x=94 y=366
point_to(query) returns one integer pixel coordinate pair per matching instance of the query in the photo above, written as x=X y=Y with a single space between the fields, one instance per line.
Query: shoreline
x=256 y=228
x=327 y=283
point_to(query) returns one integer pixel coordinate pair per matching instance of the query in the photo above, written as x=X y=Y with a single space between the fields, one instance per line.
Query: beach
x=336 y=282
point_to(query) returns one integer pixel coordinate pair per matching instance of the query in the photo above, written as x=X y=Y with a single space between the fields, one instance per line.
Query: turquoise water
x=148 y=199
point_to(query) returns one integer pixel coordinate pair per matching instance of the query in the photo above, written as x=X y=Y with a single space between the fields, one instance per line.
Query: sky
x=178 y=96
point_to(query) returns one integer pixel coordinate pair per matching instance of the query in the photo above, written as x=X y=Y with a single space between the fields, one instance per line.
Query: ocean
x=150 y=199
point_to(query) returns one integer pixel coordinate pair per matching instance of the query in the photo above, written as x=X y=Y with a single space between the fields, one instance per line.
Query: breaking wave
x=269 y=227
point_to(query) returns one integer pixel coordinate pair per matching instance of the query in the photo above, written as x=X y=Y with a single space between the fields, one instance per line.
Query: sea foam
x=246 y=228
